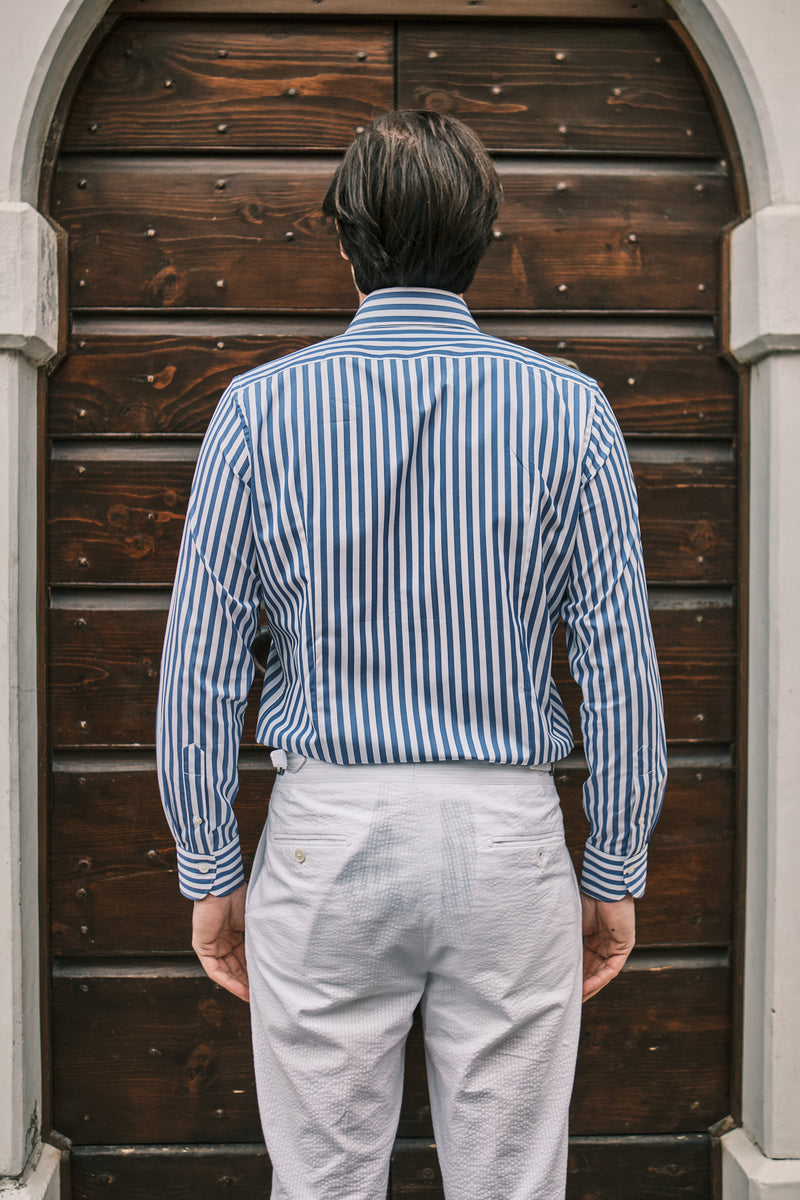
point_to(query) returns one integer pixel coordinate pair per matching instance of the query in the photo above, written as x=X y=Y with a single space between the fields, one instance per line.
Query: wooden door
x=194 y=154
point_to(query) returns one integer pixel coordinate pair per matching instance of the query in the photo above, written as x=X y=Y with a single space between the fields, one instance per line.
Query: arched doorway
x=195 y=251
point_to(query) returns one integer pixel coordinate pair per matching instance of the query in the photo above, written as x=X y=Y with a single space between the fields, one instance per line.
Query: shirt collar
x=426 y=308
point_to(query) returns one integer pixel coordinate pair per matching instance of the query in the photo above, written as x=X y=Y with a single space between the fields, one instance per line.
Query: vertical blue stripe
x=415 y=505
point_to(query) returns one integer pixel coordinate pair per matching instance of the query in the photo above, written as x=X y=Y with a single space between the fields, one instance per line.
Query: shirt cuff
x=218 y=873
x=613 y=876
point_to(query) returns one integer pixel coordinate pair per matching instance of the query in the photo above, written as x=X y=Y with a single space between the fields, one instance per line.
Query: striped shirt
x=414 y=505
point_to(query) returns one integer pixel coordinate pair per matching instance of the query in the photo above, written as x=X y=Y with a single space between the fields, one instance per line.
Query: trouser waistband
x=289 y=760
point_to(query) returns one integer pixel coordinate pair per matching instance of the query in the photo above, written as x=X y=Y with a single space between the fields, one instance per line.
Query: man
x=415 y=505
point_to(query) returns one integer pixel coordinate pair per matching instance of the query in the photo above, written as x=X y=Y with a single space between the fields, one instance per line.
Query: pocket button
x=300 y=855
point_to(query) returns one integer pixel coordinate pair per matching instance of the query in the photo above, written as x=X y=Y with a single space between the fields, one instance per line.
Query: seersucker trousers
x=376 y=888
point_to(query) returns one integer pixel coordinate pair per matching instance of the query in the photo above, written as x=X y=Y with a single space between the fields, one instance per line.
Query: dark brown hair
x=414 y=200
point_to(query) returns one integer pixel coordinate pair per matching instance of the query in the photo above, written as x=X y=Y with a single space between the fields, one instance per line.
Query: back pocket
x=525 y=839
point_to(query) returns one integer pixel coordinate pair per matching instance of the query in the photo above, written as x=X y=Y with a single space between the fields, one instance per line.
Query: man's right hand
x=609 y=934
x=218 y=940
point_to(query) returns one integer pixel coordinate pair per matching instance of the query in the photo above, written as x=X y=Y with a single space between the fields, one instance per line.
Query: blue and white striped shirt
x=415 y=504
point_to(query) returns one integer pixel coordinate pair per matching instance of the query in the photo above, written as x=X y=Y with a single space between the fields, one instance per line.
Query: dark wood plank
x=119 y=519
x=656 y=1041
x=688 y=520
x=602 y=238
x=161 y=1054
x=689 y=892
x=155 y=234
x=113 y=882
x=671 y=1028
x=170 y=384
x=220 y=86
x=153 y=384
x=624 y=89
x=113 y=874
x=226 y=234
x=104 y=677
x=215 y=1172
x=639 y=1168
x=670 y=387
x=622 y=1168
x=415 y=1170
x=596 y=10
x=103 y=668
x=654 y=1054
x=697 y=663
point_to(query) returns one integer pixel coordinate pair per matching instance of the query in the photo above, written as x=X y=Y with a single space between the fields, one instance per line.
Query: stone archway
x=765 y=330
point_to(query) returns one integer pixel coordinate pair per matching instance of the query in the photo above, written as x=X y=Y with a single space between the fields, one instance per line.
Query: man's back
x=415 y=490
x=417 y=504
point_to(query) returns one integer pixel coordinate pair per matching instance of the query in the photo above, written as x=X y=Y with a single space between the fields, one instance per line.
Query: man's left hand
x=218 y=940
x=609 y=934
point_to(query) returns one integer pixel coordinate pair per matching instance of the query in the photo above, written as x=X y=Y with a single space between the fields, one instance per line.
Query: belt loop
x=279 y=760
x=547 y=768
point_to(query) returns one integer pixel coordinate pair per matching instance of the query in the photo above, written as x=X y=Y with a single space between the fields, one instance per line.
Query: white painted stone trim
x=20 y=1048
x=751 y=50
x=28 y=282
x=765 y=283
x=747 y=1173
x=41 y=1179
x=771 y=1049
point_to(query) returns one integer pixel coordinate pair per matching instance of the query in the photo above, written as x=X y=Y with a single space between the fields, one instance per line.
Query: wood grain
x=597 y=238
x=195 y=233
x=215 y=1172
x=654 y=1054
x=696 y=659
x=119 y=520
x=671 y=1027
x=150 y=384
x=153 y=234
x=113 y=881
x=676 y=387
x=624 y=89
x=113 y=873
x=688 y=518
x=104 y=665
x=639 y=1168
x=194 y=197
x=625 y=1168
x=222 y=86
x=162 y=1054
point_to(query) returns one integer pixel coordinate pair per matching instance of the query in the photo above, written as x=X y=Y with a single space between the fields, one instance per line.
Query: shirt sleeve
x=612 y=658
x=206 y=666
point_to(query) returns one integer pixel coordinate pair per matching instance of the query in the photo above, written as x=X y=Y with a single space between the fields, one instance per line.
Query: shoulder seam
x=588 y=431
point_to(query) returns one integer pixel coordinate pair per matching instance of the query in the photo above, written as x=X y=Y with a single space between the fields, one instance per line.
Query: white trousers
x=378 y=887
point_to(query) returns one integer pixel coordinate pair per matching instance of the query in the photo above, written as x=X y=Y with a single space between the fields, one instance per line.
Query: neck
x=363 y=295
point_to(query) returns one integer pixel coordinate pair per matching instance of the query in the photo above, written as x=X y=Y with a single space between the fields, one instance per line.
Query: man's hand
x=218 y=940
x=609 y=933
